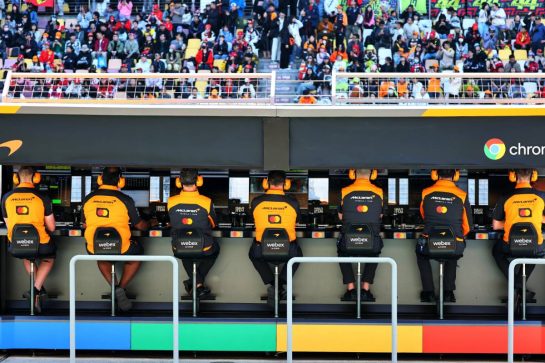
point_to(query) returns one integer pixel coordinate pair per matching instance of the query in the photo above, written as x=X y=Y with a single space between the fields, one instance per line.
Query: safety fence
x=156 y=88
x=339 y=88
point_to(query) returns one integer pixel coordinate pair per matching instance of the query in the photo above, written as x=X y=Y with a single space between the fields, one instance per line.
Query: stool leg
x=194 y=289
x=276 y=289
x=523 y=291
x=112 y=286
x=441 y=294
x=358 y=293
x=32 y=297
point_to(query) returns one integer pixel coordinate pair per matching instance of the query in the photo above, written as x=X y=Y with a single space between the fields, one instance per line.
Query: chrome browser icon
x=494 y=149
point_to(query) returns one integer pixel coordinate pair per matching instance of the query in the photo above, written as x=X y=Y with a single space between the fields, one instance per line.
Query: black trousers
x=369 y=269
x=285 y=52
x=502 y=258
x=426 y=275
x=204 y=264
x=264 y=268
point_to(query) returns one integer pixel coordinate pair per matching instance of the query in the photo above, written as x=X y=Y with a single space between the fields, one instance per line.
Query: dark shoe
x=518 y=304
x=366 y=295
x=38 y=304
x=427 y=296
x=122 y=300
x=350 y=295
x=188 y=285
x=202 y=292
x=270 y=296
x=448 y=296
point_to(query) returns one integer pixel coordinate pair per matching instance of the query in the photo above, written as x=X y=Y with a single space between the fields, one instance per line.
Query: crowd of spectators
x=318 y=37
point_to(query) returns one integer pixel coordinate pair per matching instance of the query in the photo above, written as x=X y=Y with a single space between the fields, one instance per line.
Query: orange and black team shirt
x=362 y=203
x=524 y=205
x=274 y=209
x=109 y=207
x=444 y=204
x=25 y=205
x=192 y=210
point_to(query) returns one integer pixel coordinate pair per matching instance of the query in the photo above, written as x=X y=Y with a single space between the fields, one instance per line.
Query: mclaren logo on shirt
x=12 y=146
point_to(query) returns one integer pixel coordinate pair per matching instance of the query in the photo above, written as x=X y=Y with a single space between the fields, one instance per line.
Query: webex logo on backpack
x=495 y=149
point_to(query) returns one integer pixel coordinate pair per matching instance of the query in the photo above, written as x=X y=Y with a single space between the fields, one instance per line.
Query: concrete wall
x=234 y=280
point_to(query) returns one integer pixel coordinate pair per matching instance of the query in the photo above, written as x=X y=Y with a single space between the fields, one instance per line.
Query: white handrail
x=115 y=258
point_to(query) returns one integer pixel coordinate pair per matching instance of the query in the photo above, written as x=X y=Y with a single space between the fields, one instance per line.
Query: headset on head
x=120 y=182
x=199 y=183
x=352 y=174
x=36 y=178
x=435 y=175
x=513 y=176
x=266 y=186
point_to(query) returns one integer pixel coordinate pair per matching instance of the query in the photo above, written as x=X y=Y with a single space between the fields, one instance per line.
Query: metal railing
x=264 y=89
x=149 y=88
x=289 y=292
x=511 y=300
x=175 y=296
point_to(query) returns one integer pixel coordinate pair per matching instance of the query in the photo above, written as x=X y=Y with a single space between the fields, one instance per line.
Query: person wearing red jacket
x=100 y=50
x=47 y=56
x=204 y=58
x=523 y=39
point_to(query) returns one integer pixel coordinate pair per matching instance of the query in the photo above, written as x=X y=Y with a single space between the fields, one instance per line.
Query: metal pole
x=510 y=309
x=194 y=279
x=441 y=295
x=175 y=296
x=112 y=287
x=276 y=289
x=358 y=292
x=32 y=298
x=523 y=291
x=289 y=302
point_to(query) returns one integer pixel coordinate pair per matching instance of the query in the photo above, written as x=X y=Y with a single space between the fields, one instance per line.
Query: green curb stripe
x=209 y=337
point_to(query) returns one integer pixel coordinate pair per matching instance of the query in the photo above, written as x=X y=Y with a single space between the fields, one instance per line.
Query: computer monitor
x=318 y=189
x=140 y=197
x=239 y=188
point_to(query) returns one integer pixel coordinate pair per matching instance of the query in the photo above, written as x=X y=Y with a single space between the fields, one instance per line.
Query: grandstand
x=211 y=148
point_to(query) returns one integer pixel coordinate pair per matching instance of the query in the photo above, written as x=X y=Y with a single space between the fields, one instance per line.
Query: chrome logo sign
x=494 y=149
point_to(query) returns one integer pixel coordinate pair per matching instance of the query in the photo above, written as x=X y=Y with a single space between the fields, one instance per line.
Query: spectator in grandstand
x=523 y=39
x=69 y=59
x=497 y=16
x=446 y=56
x=512 y=65
x=538 y=35
x=409 y=13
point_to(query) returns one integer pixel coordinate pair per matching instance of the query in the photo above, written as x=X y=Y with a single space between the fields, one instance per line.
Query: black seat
x=188 y=244
x=442 y=245
x=107 y=241
x=275 y=248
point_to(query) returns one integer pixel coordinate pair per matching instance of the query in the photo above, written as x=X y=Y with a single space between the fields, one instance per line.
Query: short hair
x=189 y=176
x=26 y=172
x=111 y=175
x=524 y=173
x=276 y=177
x=446 y=173
x=366 y=173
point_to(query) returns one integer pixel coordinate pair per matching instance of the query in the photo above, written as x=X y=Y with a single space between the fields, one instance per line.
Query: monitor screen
x=155 y=189
x=75 y=193
x=239 y=188
x=318 y=189
x=140 y=197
